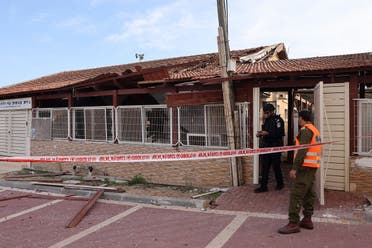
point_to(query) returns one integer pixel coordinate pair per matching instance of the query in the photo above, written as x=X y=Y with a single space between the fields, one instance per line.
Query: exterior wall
x=247 y=169
x=200 y=173
x=361 y=174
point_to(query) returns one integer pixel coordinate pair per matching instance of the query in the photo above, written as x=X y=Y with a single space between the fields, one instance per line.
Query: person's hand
x=292 y=174
x=261 y=133
x=264 y=133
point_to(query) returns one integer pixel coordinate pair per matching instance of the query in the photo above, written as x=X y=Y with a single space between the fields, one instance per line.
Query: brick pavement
x=342 y=205
x=123 y=224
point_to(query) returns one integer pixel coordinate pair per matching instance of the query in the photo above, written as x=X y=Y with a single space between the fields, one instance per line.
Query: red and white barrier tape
x=156 y=157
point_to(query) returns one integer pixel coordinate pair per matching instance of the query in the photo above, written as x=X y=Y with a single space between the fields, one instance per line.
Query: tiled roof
x=359 y=61
x=69 y=78
x=344 y=63
x=198 y=67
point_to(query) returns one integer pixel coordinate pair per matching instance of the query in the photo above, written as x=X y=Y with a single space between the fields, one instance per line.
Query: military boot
x=306 y=223
x=291 y=227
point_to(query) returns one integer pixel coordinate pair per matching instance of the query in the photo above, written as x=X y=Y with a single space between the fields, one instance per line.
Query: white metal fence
x=144 y=124
x=50 y=123
x=93 y=123
x=363 y=127
x=202 y=125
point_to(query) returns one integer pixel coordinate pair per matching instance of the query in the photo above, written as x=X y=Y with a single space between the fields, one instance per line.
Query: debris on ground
x=85 y=209
x=138 y=185
x=205 y=194
x=76 y=186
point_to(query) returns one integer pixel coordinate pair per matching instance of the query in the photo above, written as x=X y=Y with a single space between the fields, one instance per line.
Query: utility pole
x=228 y=94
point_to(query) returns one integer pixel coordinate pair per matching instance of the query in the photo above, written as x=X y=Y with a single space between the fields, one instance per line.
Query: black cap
x=268 y=107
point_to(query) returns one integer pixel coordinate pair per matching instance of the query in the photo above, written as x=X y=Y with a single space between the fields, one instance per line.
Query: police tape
x=158 y=157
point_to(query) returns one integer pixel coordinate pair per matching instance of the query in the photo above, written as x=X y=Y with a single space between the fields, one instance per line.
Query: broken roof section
x=146 y=72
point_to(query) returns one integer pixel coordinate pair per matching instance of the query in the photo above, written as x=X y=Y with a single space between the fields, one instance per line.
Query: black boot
x=260 y=190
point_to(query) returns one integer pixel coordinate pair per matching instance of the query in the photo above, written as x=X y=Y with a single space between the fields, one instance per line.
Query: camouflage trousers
x=302 y=194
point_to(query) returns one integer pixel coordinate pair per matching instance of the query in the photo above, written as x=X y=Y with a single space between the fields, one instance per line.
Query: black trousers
x=266 y=161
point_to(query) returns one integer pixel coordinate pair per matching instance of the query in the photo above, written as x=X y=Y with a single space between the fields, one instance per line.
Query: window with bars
x=144 y=124
x=203 y=125
x=93 y=123
x=363 y=127
x=50 y=123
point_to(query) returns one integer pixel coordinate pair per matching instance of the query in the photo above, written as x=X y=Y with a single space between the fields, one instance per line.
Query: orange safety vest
x=312 y=158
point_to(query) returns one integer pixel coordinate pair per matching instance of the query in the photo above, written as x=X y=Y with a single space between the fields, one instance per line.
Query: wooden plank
x=334 y=166
x=75 y=186
x=334 y=89
x=336 y=160
x=204 y=194
x=335 y=109
x=336 y=172
x=330 y=178
x=334 y=102
x=145 y=90
x=347 y=137
x=80 y=215
x=336 y=115
x=52 y=197
x=95 y=93
x=338 y=135
x=336 y=128
x=334 y=121
x=334 y=186
x=13 y=197
x=52 y=96
x=36 y=175
x=194 y=98
x=339 y=146
x=45 y=180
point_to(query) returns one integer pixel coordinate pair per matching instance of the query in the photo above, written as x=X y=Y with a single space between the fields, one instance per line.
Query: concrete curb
x=154 y=200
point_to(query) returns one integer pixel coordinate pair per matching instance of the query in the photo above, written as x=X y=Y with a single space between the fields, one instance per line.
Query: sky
x=42 y=37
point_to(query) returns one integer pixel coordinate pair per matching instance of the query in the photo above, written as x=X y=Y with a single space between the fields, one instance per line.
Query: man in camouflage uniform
x=303 y=172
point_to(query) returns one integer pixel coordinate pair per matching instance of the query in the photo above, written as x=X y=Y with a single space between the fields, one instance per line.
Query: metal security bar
x=363 y=127
x=204 y=125
x=192 y=125
x=93 y=123
x=50 y=123
x=245 y=137
x=144 y=124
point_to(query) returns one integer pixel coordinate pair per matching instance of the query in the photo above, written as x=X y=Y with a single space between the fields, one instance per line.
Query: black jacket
x=274 y=125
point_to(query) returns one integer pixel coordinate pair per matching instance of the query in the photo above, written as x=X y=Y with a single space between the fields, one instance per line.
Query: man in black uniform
x=272 y=136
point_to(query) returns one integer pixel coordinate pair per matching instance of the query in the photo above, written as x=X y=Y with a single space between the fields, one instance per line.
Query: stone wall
x=201 y=173
x=361 y=174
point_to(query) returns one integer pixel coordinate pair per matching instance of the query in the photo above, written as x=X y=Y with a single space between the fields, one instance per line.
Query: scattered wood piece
x=52 y=197
x=46 y=180
x=36 y=175
x=48 y=197
x=13 y=197
x=80 y=215
x=92 y=180
x=72 y=182
x=77 y=186
x=204 y=194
